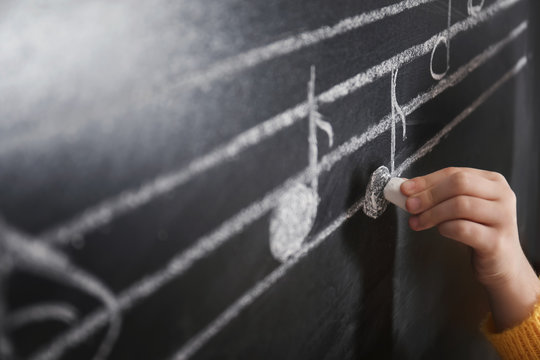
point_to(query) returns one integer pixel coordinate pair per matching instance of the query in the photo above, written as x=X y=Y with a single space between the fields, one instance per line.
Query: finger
x=417 y=184
x=460 y=207
x=467 y=232
x=459 y=183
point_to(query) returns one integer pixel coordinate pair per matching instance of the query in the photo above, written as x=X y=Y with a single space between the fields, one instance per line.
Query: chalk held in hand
x=392 y=192
x=381 y=189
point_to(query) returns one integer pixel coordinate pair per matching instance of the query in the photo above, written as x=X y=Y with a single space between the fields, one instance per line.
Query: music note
x=295 y=213
x=396 y=110
x=443 y=39
x=17 y=252
x=474 y=9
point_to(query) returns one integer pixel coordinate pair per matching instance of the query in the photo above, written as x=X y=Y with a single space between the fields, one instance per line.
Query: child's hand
x=478 y=208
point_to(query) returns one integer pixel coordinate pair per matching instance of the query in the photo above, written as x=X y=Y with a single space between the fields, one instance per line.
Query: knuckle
x=450 y=170
x=499 y=177
x=462 y=229
x=512 y=196
x=508 y=196
x=510 y=208
x=512 y=200
x=462 y=205
x=428 y=198
x=421 y=182
x=461 y=181
x=457 y=229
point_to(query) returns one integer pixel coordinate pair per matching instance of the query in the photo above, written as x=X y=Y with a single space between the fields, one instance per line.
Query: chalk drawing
x=295 y=213
x=474 y=9
x=125 y=202
x=60 y=312
x=375 y=202
x=181 y=262
x=217 y=325
x=428 y=146
x=18 y=252
x=396 y=111
x=226 y=68
x=442 y=39
x=254 y=57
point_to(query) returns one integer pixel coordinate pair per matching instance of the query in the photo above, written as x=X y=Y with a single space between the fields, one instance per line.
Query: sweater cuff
x=520 y=342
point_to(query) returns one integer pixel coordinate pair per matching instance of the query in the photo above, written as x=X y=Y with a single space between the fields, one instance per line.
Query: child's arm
x=478 y=208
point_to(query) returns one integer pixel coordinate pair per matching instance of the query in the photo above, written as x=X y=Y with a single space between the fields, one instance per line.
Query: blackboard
x=185 y=179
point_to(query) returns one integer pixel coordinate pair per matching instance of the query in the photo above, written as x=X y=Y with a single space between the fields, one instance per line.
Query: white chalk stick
x=393 y=193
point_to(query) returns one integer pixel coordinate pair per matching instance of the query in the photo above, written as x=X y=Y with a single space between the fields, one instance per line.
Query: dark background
x=99 y=110
x=534 y=17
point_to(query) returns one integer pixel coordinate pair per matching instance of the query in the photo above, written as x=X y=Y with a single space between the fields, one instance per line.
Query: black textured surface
x=372 y=290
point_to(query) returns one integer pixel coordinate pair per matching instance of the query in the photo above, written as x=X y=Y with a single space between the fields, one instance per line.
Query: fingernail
x=408 y=186
x=414 y=222
x=413 y=204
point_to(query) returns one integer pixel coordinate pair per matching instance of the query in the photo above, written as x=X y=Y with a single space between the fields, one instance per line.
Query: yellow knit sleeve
x=520 y=342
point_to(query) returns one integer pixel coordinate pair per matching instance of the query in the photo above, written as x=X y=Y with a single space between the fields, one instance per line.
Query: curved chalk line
x=21 y=253
x=105 y=212
x=203 y=246
x=442 y=40
x=233 y=311
x=434 y=141
x=60 y=312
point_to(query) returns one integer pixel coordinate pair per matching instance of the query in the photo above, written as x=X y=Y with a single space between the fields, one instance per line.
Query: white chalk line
x=356 y=142
x=442 y=40
x=60 y=312
x=428 y=146
x=396 y=111
x=197 y=342
x=233 y=311
x=254 y=57
x=243 y=61
x=203 y=246
x=412 y=53
x=175 y=267
x=110 y=209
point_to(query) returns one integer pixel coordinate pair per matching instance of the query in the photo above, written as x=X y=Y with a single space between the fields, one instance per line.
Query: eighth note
x=474 y=9
x=295 y=212
x=443 y=39
x=396 y=110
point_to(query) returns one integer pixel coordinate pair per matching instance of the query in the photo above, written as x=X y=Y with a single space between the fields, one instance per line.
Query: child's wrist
x=513 y=302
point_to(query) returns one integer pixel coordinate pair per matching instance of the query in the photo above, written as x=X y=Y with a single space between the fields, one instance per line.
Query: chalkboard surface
x=185 y=179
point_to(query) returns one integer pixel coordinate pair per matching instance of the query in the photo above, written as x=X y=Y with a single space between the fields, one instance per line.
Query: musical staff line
x=232 y=65
x=203 y=246
x=434 y=141
x=27 y=254
x=105 y=212
x=233 y=311
x=256 y=56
